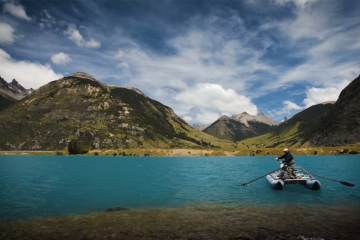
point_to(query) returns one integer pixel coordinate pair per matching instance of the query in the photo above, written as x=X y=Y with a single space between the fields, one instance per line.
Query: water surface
x=41 y=186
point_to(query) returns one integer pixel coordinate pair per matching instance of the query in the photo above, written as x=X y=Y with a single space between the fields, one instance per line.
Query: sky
x=204 y=59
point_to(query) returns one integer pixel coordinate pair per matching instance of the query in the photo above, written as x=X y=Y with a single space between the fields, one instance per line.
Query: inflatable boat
x=280 y=178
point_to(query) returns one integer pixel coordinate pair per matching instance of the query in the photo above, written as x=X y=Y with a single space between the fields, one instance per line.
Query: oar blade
x=348 y=184
x=243 y=185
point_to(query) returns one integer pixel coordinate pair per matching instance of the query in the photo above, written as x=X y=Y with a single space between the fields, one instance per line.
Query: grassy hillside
x=292 y=133
x=97 y=117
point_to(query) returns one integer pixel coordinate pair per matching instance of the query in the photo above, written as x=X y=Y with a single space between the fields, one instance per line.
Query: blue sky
x=204 y=59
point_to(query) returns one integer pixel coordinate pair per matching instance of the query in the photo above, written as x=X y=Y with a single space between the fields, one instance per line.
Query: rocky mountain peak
x=245 y=118
x=3 y=84
x=84 y=75
x=224 y=117
x=14 y=82
x=17 y=87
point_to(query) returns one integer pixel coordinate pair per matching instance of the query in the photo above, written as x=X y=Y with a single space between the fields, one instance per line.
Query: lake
x=42 y=186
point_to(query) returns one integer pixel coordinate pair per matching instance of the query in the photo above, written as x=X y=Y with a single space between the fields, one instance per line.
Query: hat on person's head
x=285 y=150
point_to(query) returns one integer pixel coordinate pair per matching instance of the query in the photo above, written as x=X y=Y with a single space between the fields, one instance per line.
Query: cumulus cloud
x=6 y=33
x=188 y=118
x=61 y=58
x=207 y=117
x=29 y=74
x=214 y=96
x=92 y=44
x=16 y=10
x=75 y=36
x=320 y=95
x=207 y=52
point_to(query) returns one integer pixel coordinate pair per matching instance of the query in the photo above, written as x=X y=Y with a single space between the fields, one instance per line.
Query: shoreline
x=196 y=222
x=159 y=152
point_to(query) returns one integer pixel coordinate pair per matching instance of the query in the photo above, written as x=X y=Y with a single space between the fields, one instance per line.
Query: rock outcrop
x=341 y=125
x=241 y=126
x=11 y=92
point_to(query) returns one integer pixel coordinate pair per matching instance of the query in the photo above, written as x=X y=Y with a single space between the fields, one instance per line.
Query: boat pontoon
x=280 y=178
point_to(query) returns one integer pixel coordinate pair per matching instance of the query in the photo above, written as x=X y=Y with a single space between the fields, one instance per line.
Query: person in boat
x=288 y=161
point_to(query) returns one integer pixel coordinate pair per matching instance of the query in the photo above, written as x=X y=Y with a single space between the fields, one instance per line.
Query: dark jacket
x=287 y=158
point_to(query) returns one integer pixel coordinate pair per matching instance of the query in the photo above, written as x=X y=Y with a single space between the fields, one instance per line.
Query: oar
x=245 y=184
x=343 y=183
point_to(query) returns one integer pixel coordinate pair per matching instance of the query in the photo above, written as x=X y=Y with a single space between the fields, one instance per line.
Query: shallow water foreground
x=196 y=222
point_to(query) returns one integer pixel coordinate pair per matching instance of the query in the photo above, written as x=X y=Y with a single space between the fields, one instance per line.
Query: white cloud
x=6 y=33
x=119 y=54
x=75 y=9
x=61 y=58
x=203 y=56
x=287 y=109
x=16 y=10
x=320 y=95
x=75 y=36
x=289 y=105
x=327 y=59
x=123 y=65
x=298 y=3
x=207 y=117
x=215 y=97
x=92 y=44
x=188 y=118
x=28 y=74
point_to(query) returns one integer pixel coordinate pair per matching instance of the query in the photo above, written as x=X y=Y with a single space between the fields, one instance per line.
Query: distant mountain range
x=97 y=116
x=199 y=127
x=241 y=126
x=11 y=92
x=101 y=116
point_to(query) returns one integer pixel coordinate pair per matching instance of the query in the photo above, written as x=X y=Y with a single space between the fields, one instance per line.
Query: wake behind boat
x=280 y=178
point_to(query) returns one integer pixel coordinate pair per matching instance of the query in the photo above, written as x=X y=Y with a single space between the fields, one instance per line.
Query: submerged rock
x=115 y=209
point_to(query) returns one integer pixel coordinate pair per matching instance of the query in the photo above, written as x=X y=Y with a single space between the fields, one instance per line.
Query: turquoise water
x=42 y=186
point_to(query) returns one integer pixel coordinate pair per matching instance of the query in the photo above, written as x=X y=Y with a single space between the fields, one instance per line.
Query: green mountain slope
x=241 y=126
x=97 y=116
x=293 y=132
x=341 y=126
x=5 y=102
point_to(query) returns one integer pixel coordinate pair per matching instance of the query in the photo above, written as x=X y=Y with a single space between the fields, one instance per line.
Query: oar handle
x=245 y=184
x=342 y=182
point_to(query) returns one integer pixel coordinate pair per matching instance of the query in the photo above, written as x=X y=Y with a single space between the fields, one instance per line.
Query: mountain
x=80 y=108
x=241 y=126
x=294 y=131
x=199 y=127
x=11 y=92
x=341 y=126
